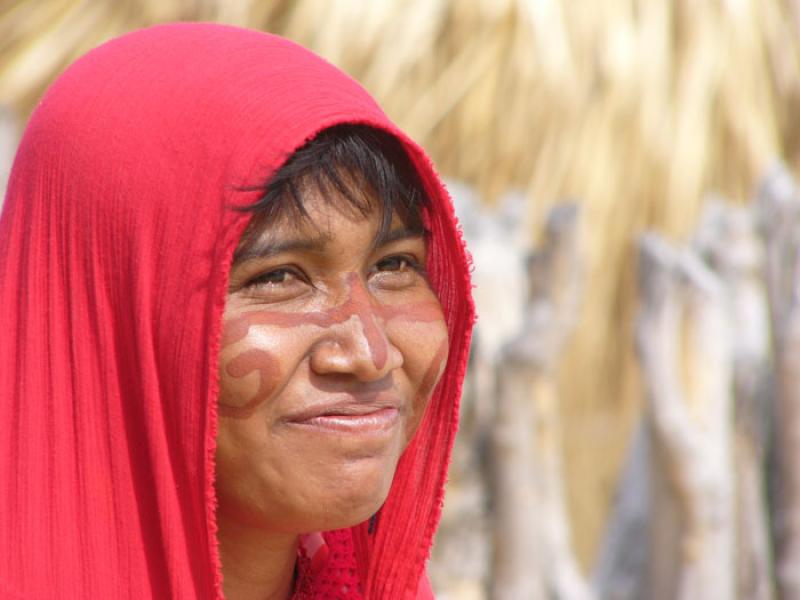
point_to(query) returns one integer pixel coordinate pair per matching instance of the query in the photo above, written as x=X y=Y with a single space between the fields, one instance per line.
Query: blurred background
x=623 y=171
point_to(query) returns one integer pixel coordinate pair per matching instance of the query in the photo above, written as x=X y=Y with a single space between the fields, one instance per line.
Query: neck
x=256 y=564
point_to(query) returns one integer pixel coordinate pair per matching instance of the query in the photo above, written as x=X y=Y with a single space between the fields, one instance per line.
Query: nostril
x=359 y=335
x=358 y=346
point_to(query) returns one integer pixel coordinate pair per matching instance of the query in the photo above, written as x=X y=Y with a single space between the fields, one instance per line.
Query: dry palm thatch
x=636 y=107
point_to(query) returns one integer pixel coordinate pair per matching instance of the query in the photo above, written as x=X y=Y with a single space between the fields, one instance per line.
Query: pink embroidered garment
x=115 y=246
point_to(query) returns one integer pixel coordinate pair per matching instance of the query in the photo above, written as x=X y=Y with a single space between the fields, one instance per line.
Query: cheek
x=247 y=379
x=253 y=363
x=425 y=348
x=434 y=371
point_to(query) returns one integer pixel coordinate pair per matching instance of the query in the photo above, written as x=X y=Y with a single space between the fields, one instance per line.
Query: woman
x=235 y=313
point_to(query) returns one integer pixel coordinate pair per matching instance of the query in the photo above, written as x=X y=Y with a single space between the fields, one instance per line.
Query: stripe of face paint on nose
x=359 y=304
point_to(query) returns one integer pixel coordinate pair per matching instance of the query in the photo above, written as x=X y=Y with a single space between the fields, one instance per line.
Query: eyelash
x=401 y=259
x=411 y=262
x=262 y=278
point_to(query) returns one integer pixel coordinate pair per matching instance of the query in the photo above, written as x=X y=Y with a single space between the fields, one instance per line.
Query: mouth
x=370 y=418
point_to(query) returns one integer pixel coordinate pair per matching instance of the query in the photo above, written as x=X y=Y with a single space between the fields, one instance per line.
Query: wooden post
x=727 y=241
x=533 y=557
x=728 y=238
x=624 y=554
x=779 y=209
x=689 y=417
x=499 y=239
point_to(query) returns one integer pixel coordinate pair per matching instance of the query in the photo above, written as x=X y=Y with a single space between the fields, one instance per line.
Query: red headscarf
x=115 y=246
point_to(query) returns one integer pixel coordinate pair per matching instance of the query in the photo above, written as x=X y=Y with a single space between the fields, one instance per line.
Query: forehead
x=325 y=216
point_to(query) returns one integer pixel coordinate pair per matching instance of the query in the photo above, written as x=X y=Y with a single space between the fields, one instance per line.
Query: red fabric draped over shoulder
x=115 y=245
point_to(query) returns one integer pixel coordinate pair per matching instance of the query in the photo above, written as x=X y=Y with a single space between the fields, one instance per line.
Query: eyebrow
x=401 y=233
x=265 y=248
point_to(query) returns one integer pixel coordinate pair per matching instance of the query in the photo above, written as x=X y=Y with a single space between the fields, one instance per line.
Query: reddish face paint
x=360 y=305
x=434 y=372
x=266 y=366
x=373 y=318
x=237 y=328
x=252 y=360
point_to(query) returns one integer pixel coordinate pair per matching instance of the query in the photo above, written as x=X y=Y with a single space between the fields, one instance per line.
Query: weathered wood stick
x=692 y=537
x=533 y=556
x=779 y=211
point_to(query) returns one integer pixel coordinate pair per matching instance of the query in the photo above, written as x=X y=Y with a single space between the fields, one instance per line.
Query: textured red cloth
x=115 y=245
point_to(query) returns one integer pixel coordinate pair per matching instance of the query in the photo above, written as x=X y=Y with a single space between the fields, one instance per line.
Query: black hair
x=354 y=163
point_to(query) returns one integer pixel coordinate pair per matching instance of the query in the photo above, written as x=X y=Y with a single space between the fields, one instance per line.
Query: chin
x=353 y=496
x=330 y=484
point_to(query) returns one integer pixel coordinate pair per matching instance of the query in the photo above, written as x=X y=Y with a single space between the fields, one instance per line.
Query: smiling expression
x=332 y=345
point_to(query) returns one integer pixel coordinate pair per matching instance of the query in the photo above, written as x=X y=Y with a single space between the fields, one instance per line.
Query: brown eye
x=275 y=285
x=397 y=272
x=273 y=278
x=399 y=262
x=393 y=263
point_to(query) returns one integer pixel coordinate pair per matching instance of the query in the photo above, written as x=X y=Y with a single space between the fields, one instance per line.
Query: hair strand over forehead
x=356 y=166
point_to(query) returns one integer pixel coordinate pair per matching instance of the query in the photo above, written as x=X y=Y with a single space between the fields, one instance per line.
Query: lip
x=349 y=417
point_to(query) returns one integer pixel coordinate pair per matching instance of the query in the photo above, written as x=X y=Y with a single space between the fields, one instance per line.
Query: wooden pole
x=689 y=416
x=779 y=210
x=532 y=540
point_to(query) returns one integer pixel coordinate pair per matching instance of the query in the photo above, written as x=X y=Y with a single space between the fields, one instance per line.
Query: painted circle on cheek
x=250 y=361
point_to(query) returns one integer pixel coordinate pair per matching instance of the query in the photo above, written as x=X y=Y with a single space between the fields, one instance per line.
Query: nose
x=358 y=345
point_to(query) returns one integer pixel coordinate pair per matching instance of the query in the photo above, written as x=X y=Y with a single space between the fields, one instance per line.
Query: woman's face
x=331 y=347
